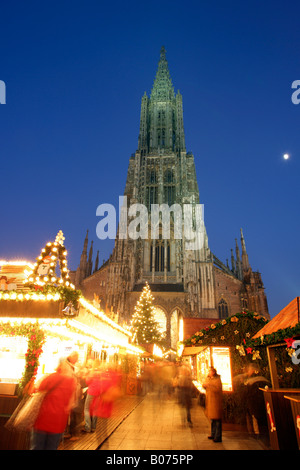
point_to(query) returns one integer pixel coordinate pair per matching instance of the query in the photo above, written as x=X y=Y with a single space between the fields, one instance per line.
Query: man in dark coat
x=214 y=404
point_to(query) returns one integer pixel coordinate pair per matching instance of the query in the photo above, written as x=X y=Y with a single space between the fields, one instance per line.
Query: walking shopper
x=53 y=416
x=214 y=404
x=93 y=382
x=102 y=405
x=185 y=391
x=254 y=400
x=77 y=411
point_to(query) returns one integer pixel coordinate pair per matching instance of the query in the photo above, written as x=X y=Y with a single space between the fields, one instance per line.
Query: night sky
x=75 y=73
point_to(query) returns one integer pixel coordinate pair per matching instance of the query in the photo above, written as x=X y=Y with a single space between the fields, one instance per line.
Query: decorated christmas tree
x=144 y=327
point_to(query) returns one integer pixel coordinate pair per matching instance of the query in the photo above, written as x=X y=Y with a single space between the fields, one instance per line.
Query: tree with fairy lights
x=144 y=327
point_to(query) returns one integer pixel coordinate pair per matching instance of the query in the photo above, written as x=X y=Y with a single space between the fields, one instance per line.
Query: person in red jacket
x=53 y=416
x=110 y=389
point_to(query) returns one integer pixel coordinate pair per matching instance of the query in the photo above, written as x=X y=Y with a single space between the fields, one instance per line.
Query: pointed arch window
x=162 y=255
x=169 y=187
x=169 y=176
x=152 y=187
x=223 y=309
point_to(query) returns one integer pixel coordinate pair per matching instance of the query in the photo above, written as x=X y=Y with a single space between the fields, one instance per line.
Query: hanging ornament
x=44 y=267
x=70 y=310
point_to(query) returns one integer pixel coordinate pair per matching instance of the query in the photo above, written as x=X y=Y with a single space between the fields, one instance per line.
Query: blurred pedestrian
x=53 y=415
x=77 y=410
x=71 y=360
x=146 y=378
x=214 y=404
x=185 y=391
x=101 y=407
x=254 y=400
x=92 y=380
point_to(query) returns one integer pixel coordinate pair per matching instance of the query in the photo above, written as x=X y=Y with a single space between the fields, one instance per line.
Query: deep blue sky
x=75 y=73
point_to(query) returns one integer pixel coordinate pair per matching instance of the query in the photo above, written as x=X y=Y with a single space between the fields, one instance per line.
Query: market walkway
x=91 y=441
x=146 y=423
x=158 y=425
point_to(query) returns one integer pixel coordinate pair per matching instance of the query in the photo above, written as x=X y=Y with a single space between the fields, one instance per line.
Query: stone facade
x=185 y=282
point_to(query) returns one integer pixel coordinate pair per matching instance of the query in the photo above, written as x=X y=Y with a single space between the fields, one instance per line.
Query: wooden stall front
x=295 y=406
x=278 y=409
x=201 y=358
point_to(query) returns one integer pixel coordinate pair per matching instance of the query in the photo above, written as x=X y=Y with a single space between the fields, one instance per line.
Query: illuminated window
x=161 y=319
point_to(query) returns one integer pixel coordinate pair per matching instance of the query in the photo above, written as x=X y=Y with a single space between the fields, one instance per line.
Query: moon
x=286 y=156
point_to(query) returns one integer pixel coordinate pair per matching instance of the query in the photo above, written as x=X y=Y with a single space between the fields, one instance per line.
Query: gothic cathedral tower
x=161 y=172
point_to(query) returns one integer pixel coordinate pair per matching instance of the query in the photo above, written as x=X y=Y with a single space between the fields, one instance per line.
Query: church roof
x=288 y=317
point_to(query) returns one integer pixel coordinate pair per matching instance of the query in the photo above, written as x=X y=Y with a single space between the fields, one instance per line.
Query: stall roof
x=192 y=350
x=288 y=317
x=192 y=325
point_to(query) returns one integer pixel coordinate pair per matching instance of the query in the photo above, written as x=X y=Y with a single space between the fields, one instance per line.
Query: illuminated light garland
x=36 y=296
x=101 y=315
x=12 y=295
x=71 y=329
x=16 y=263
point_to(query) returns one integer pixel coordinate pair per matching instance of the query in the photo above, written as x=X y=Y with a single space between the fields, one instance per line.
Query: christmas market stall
x=222 y=345
x=43 y=318
x=281 y=339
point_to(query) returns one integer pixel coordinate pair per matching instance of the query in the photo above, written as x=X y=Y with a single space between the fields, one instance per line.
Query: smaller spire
x=83 y=258
x=97 y=262
x=91 y=251
x=85 y=245
x=81 y=270
x=90 y=261
x=245 y=260
x=233 y=268
x=238 y=261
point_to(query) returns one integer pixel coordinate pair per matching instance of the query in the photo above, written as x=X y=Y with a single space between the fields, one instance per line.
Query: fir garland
x=237 y=332
x=36 y=339
x=230 y=331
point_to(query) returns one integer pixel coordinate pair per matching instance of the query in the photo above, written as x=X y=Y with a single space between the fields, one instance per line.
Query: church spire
x=97 y=262
x=233 y=267
x=162 y=87
x=245 y=260
x=89 y=266
x=238 y=261
x=83 y=258
x=81 y=270
x=161 y=123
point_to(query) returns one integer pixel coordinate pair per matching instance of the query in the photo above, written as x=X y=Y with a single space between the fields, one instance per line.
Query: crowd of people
x=73 y=394
x=166 y=379
x=80 y=396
